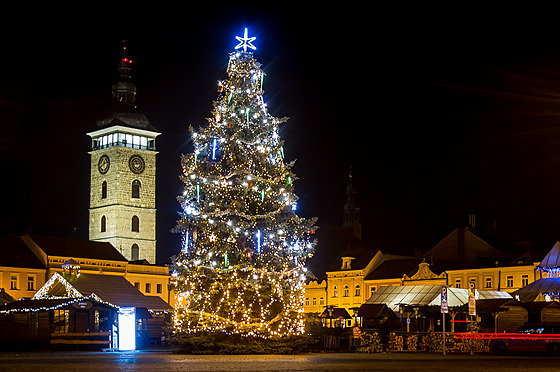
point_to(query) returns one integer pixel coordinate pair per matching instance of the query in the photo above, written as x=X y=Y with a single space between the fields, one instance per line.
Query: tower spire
x=124 y=90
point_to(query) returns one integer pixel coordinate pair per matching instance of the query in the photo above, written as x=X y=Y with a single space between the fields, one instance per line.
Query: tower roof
x=122 y=110
x=552 y=259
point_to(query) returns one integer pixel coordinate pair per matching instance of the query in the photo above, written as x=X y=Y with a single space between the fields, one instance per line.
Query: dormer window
x=346 y=263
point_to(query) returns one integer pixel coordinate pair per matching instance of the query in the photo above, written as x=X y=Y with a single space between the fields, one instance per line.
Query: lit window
x=335 y=291
x=61 y=321
x=31 y=282
x=14 y=281
x=509 y=281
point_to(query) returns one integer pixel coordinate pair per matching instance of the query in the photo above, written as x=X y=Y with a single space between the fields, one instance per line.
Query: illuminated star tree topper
x=245 y=42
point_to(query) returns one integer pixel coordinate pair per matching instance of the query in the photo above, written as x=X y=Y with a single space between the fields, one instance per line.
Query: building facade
x=39 y=257
x=461 y=257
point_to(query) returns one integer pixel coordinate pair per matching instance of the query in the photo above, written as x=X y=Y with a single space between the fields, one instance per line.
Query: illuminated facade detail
x=241 y=269
x=123 y=164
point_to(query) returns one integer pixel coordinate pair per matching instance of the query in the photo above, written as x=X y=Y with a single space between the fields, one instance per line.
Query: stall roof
x=113 y=289
x=426 y=295
x=532 y=291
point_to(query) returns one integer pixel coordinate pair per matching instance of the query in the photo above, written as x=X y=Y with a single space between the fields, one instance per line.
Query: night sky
x=440 y=114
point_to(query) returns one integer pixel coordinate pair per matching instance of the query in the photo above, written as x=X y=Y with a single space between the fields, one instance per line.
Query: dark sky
x=440 y=112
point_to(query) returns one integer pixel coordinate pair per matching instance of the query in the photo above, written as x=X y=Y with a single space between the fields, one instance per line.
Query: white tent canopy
x=426 y=295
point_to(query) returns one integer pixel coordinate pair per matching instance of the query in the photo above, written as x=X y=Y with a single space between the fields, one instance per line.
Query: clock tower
x=123 y=175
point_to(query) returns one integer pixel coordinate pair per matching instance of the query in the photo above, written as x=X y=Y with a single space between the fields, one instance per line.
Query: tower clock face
x=103 y=164
x=136 y=164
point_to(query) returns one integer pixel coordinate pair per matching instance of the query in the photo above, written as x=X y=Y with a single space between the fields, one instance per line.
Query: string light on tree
x=243 y=272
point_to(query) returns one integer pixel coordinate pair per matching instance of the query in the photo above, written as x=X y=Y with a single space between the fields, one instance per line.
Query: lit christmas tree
x=242 y=265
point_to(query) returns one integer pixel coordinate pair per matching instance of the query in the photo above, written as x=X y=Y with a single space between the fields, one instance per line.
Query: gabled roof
x=394 y=268
x=68 y=247
x=336 y=312
x=493 y=304
x=375 y=311
x=113 y=289
x=552 y=259
x=532 y=291
x=539 y=305
x=466 y=248
x=25 y=305
x=15 y=253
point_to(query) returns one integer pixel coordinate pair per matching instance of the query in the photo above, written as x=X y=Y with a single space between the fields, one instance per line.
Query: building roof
x=493 y=304
x=534 y=290
x=394 y=268
x=113 y=289
x=68 y=247
x=467 y=249
x=25 y=305
x=336 y=312
x=375 y=311
x=15 y=253
x=552 y=259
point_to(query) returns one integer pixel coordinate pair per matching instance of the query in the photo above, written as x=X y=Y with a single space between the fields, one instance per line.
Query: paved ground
x=158 y=361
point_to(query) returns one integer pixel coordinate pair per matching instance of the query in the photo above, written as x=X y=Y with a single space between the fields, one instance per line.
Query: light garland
x=42 y=293
x=241 y=269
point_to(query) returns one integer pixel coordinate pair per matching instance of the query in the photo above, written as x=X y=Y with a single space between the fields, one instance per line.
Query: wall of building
x=119 y=206
x=26 y=283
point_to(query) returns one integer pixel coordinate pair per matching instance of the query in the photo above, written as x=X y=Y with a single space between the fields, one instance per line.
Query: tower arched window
x=335 y=291
x=103 y=224
x=135 y=224
x=135 y=252
x=104 y=190
x=346 y=291
x=136 y=189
